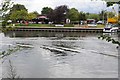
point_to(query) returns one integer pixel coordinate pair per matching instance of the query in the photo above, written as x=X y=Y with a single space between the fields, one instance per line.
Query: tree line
x=18 y=12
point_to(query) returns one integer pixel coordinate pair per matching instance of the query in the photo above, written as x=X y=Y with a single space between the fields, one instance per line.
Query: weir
x=60 y=29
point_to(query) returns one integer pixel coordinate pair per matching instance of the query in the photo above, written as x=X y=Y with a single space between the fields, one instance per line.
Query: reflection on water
x=61 y=55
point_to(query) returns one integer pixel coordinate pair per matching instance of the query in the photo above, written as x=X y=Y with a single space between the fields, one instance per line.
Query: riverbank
x=11 y=26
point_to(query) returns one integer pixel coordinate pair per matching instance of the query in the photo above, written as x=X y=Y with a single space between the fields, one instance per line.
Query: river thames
x=59 y=55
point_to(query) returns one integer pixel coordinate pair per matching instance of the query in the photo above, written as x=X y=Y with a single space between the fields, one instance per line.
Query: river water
x=58 y=55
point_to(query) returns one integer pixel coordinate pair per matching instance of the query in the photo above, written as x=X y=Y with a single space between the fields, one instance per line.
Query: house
x=41 y=19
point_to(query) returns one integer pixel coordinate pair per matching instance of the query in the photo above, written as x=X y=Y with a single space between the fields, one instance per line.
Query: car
x=59 y=25
x=100 y=22
x=111 y=28
x=92 y=25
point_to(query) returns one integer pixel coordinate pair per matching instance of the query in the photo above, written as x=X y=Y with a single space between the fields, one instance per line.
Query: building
x=41 y=19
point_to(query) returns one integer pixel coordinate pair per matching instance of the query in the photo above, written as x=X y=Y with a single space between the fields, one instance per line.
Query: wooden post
x=118 y=12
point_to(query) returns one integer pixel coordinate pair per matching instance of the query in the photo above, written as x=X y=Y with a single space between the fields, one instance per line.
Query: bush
x=4 y=23
x=68 y=25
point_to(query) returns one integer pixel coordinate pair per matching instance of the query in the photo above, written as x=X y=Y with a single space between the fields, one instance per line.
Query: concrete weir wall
x=61 y=29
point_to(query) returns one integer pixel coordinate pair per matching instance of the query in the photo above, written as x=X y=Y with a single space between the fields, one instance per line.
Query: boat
x=111 y=28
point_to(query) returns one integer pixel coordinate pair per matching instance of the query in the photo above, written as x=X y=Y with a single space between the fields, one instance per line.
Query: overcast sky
x=82 y=5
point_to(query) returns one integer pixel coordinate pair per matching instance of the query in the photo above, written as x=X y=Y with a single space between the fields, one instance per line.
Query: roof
x=43 y=17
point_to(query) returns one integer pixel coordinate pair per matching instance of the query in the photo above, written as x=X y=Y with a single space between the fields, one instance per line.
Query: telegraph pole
x=118 y=12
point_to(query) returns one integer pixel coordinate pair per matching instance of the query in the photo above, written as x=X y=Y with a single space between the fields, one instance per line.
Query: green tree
x=103 y=15
x=73 y=14
x=59 y=14
x=111 y=14
x=6 y=6
x=46 y=10
x=18 y=12
x=110 y=4
x=31 y=16
x=93 y=16
x=19 y=15
x=36 y=13
x=17 y=7
x=82 y=16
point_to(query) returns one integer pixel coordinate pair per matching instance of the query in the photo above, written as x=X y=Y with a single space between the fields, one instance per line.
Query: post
x=107 y=17
x=118 y=12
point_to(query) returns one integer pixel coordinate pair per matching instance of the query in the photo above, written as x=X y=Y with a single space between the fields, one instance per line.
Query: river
x=58 y=55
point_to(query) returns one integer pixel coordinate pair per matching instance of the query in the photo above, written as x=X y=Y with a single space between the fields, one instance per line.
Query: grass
x=40 y=25
x=68 y=25
x=34 y=25
x=9 y=27
x=100 y=26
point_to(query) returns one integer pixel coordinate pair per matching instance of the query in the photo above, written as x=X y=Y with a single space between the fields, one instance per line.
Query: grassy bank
x=100 y=26
x=41 y=25
x=52 y=25
x=10 y=27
